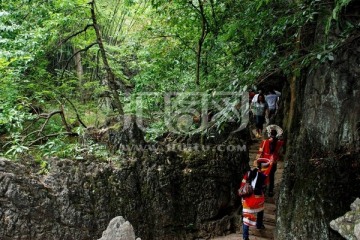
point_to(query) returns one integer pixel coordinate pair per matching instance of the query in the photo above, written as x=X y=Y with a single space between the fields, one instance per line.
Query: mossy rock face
x=322 y=170
x=165 y=194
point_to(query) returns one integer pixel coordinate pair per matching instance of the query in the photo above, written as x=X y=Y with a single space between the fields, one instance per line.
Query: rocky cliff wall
x=322 y=172
x=165 y=194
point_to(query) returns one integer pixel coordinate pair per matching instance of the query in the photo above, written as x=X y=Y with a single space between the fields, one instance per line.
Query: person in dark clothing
x=260 y=110
x=253 y=205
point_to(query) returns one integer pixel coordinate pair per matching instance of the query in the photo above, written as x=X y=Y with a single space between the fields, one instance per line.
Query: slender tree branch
x=28 y=135
x=76 y=112
x=75 y=34
x=216 y=27
x=74 y=54
x=52 y=135
x=204 y=32
x=47 y=116
x=63 y=119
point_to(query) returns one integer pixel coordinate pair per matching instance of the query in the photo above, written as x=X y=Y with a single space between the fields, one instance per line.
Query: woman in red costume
x=253 y=205
x=270 y=149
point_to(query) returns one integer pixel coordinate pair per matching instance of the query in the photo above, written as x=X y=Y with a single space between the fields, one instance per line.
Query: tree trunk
x=79 y=72
x=111 y=80
x=204 y=26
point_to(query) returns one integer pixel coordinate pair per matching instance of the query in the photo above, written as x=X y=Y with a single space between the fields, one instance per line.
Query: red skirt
x=251 y=206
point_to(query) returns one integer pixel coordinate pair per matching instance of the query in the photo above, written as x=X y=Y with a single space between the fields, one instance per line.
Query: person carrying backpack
x=272 y=99
x=260 y=110
x=253 y=204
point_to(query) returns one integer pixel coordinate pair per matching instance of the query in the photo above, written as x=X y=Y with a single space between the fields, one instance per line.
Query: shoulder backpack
x=246 y=189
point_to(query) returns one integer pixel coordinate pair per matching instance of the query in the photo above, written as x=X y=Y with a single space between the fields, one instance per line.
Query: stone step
x=267 y=233
x=268 y=211
x=270 y=207
x=269 y=219
x=238 y=236
x=270 y=200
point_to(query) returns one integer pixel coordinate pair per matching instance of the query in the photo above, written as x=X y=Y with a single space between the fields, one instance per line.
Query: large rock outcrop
x=322 y=172
x=174 y=193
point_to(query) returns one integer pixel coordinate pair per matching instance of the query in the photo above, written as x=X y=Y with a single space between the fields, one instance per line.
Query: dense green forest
x=68 y=65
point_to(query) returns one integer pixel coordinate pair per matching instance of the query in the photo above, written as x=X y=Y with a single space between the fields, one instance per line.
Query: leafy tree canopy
x=67 y=64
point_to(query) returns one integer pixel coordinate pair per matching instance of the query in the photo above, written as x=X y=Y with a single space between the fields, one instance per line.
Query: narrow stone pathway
x=270 y=204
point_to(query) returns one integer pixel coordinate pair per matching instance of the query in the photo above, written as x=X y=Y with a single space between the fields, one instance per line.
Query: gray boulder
x=349 y=225
x=119 y=229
